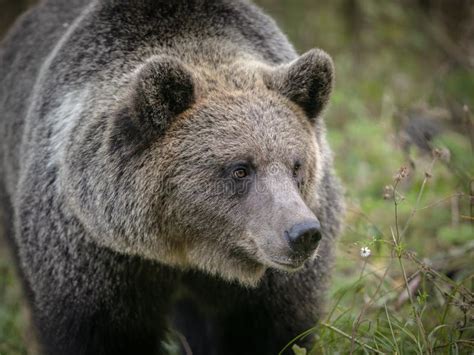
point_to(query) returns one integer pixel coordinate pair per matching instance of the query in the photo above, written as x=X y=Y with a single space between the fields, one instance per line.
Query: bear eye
x=296 y=169
x=240 y=173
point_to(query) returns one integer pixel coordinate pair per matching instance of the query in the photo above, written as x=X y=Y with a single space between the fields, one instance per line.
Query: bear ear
x=162 y=89
x=307 y=81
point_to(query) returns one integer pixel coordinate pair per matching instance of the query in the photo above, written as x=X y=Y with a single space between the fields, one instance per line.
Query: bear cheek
x=228 y=259
x=263 y=238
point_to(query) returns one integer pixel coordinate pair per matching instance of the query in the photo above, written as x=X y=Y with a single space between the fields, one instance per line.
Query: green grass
x=414 y=242
x=421 y=235
x=423 y=239
x=12 y=323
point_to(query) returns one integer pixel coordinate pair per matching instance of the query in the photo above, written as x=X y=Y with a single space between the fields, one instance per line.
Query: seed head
x=401 y=174
x=442 y=153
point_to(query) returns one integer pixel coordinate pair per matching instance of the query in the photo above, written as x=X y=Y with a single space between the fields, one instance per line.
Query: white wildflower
x=365 y=252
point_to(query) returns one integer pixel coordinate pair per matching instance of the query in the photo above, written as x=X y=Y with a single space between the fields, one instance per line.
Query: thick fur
x=118 y=121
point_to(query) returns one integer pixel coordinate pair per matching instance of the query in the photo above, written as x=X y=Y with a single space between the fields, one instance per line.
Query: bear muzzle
x=304 y=237
x=301 y=242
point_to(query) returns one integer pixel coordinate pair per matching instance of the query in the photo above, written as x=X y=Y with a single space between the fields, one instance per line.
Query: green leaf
x=298 y=350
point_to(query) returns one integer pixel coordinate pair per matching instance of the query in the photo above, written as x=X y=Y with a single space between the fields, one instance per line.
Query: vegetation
x=401 y=125
x=403 y=75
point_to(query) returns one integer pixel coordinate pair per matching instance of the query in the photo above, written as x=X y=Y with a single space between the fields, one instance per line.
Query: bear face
x=248 y=178
x=213 y=174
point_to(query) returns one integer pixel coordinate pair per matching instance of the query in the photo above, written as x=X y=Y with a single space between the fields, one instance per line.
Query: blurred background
x=401 y=126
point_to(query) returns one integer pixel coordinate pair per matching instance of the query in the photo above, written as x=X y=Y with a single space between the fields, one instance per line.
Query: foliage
x=414 y=294
x=11 y=318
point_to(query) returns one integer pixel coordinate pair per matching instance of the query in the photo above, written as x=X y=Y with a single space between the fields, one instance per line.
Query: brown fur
x=125 y=124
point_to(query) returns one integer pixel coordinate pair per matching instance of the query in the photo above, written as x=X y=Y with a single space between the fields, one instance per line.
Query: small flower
x=365 y=252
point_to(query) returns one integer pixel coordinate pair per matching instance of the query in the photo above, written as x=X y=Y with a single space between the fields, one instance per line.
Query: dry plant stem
x=457 y=194
x=418 y=199
x=395 y=202
x=347 y=336
x=397 y=241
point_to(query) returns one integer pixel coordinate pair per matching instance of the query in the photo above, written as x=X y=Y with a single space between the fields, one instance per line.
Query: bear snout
x=304 y=237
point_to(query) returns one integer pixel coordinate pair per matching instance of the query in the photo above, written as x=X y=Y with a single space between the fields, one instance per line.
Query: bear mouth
x=286 y=265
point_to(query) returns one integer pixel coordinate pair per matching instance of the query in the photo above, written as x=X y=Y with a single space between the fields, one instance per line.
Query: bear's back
x=22 y=54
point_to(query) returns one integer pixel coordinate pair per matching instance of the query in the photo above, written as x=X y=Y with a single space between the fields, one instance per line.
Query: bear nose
x=304 y=237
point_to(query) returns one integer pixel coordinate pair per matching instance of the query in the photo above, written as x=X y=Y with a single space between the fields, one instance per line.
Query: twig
x=457 y=194
x=418 y=199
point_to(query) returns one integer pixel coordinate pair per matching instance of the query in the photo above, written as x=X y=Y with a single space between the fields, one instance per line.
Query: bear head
x=222 y=166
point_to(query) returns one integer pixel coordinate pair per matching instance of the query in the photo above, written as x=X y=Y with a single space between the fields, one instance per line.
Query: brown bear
x=165 y=169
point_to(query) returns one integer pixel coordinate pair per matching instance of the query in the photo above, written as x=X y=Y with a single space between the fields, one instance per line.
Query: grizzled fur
x=121 y=122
